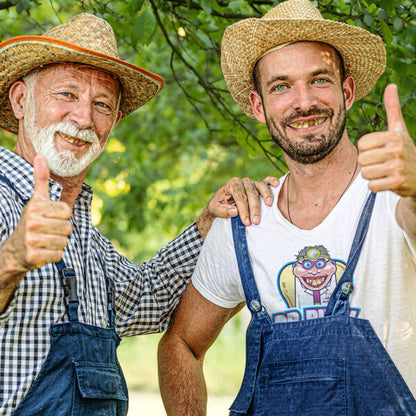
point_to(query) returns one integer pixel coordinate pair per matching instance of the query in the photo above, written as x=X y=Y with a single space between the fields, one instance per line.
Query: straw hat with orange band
x=84 y=39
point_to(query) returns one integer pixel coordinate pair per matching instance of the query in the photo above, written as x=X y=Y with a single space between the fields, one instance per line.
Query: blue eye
x=280 y=87
x=307 y=265
x=320 y=263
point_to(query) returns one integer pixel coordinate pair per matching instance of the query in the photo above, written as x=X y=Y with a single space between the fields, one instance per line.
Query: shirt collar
x=20 y=173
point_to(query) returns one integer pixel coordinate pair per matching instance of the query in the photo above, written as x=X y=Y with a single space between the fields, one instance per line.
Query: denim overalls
x=332 y=366
x=81 y=375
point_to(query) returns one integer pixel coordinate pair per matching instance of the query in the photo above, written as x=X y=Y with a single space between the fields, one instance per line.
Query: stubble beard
x=312 y=148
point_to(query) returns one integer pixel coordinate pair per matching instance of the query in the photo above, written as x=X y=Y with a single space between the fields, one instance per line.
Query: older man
x=299 y=74
x=66 y=295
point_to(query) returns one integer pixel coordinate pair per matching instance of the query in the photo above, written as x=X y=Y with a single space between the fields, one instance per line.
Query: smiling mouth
x=71 y=139
x=308 y=123
x=315 y=282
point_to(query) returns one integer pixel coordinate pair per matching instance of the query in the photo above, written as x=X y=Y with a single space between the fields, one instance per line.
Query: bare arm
x=194 y=327
x=245 y=193
x=39 y=238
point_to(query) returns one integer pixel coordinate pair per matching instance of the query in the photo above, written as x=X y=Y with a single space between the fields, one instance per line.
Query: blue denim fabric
x=81 y=375
x=332 y=366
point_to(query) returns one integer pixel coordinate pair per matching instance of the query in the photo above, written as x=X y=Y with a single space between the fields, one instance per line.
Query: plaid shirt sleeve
x=147 y=294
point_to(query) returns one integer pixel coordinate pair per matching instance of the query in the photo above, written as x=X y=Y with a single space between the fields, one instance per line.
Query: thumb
x=395 y=121
x=41 y=177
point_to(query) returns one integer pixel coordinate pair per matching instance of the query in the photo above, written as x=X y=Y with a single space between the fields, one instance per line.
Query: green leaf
x=368 y=20
x=136 y=5
x=236 y=5
x=206 y=6
x=387 y=5
x=398 y=24
x=143 y=28
x=383 y=15
x=387 y=35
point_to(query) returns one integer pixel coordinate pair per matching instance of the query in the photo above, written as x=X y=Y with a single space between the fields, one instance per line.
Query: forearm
x=204 y=222
x=406 y=215
x=10 y=275
x=181 y=380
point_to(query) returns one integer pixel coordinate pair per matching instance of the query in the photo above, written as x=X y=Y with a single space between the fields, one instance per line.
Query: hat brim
x=245 y=42
x=22 y=54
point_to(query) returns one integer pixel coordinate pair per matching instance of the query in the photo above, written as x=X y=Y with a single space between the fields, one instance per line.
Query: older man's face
x=76 y=108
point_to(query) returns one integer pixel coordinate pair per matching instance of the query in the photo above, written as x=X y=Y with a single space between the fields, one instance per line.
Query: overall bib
x=81 y=375
x=330 y=366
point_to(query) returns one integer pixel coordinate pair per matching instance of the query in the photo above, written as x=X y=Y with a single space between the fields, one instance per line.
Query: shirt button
x=54 y=187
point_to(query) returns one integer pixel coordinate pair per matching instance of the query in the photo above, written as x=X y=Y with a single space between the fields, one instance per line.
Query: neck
x=71 y=187
x=312 y=191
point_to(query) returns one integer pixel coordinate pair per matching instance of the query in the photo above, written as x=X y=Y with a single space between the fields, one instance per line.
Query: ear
x=17 y=97
x=348 y=87
x=257 y=106
x=118 y=118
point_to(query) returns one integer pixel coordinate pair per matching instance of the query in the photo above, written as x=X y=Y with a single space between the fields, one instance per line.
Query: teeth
x=73 y=140
x=308 y=123
x=315 y=282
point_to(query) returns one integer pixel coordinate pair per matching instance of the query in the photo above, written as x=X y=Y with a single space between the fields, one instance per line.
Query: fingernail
x=256 y=219
x=232 y=212
x=247 y=221
x=269 y=201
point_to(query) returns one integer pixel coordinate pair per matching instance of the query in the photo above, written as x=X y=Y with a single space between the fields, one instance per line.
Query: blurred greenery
x=165 y=161
x=223 y=364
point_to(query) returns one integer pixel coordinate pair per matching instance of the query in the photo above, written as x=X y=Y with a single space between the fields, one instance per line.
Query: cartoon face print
x=310 y=279
x=314 y=270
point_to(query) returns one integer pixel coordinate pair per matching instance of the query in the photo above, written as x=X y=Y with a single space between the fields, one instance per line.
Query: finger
x=266 y=193
x=372 y=156
x=272 y=181
x=52 y=226
x=394 y=114
x=41 y=178
x=253 y=200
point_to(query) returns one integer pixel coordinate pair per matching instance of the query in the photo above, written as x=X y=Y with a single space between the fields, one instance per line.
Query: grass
x=223 y=366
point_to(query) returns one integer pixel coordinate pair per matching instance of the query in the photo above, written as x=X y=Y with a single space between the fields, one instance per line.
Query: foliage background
x=164 y=161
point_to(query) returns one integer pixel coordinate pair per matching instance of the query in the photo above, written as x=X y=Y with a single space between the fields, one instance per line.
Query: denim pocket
x=312 y=387
x=99 y=390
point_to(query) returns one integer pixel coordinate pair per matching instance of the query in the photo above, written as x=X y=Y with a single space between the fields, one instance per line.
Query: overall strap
x=69 y=283
x=10 y=185
x=246 y=272
x=111 y=297
x=338 y=303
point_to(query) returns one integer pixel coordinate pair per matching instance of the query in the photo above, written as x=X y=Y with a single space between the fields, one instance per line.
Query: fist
x=388 y=158
x=41 y=235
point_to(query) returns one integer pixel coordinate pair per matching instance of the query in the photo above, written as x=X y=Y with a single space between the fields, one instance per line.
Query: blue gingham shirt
x=146 y=294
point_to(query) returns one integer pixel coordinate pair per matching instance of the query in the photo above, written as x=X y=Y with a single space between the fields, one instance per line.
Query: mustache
x=324 y=112
x=71 y=129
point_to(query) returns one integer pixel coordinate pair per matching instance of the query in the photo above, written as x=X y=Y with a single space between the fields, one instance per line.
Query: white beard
x=64 y=164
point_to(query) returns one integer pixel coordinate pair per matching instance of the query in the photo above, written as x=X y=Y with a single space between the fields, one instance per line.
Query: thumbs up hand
x=44 y=227
x=388 y=158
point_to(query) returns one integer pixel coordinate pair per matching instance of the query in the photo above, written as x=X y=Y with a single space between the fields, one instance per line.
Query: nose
x=81 y=113
x=304 y=98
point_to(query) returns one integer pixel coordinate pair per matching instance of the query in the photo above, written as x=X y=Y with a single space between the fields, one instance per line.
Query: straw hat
x=245 y=42
x=85 y=39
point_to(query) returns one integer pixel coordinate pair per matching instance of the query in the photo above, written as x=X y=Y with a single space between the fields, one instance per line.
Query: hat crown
x=88 y=31
x=294 y=9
